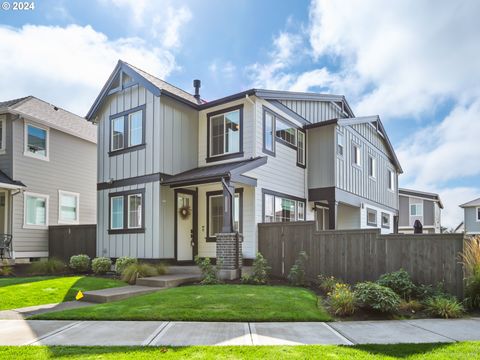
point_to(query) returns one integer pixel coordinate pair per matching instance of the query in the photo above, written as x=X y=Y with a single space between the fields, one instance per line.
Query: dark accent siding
x=404 y=212
x=131 y=181
x=428 y=213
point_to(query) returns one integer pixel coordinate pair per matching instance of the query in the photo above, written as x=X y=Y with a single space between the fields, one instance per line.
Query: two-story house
x=471 y=220
x=47 y=173
x=166 y=159
x=422 y=206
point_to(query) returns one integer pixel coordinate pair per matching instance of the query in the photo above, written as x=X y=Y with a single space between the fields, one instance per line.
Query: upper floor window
x=127 y=130
x=3 y=132
x=282 y=208
x=36 y=141
x=356 y=155
x=391 y=180
x=372 y=167
x=301 y=148
x=268 y=132
x=416 y=209
x=478 y=213
x=340 y=143
x=285 y=132
x=225 y=134
x=68 y=207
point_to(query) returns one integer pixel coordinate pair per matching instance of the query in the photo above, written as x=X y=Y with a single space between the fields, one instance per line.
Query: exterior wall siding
x=472 y=226
x=71 y=167
x=321 y=159
x=6 y=158
x=379 y=210
x=314 y=111
x=429 y=219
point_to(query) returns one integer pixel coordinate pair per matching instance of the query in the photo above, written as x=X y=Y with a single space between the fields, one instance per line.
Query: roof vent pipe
x=196 y=84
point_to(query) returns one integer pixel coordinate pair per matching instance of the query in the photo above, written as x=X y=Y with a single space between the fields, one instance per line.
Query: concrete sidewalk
x=176 y=333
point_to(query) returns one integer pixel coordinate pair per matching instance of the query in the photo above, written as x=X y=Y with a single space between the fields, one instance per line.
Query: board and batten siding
x=314 y=111
x=355 y=179
x=6 y=157
x=321 y=157
x=71 y=167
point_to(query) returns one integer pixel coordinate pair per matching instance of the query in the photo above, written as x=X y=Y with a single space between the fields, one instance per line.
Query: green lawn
x=464 y=350
x=208 y=303
x=38 y=290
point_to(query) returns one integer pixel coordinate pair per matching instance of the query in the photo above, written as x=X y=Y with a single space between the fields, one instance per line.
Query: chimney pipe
x=196 y=84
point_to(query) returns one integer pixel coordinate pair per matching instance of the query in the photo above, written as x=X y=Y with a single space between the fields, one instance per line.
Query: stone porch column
x=229 y=255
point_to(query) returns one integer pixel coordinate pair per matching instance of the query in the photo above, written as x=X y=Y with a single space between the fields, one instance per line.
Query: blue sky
x=414 y=63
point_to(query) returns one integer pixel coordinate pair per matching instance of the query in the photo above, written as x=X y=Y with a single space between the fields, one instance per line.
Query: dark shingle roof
x=8 y=103
x=5 y=179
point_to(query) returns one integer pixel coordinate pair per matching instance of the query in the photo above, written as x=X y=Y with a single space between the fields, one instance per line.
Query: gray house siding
x=355 y=179
x=404 y=211
x=6 y=163
x=70 y=168
x=321 y=157
x=472 y=226
x=428 y=213
x=314 y=111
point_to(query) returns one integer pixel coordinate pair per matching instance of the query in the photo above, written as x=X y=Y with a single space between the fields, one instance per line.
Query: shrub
x=411 y=306
x=209 y=272
x=444 y=307
x=470 y=257
x=472 y=290
x=101 y=265
x=425 y=292
x=138 y=270
x=376 y=297
x=296 y=276
x=327 y=283
x=123 y=262
x=260 y=271
x=342 y=300
x=162 y=269
x=5 y=269
x=80 y=263
x=50 y=266
x=399 y=281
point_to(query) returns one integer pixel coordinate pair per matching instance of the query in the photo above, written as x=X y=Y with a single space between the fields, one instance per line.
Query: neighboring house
x=422 y=206
x=168 y=162
x=460 y=229
x=471 y=219
x=47 y=177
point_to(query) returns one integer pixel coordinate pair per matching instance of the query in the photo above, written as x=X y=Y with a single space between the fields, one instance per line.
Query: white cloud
x=220 y=69
x=170 y=25
x=68 y=65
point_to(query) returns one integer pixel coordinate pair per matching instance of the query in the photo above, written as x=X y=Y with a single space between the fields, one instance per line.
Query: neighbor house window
x=285 y=132
x=215 y=210
x=372 y=167
x=282 y=208
x=36 y=209
x=371 y=217
x=416 y=209
x=127 y=129
x=391 y=180
x=225 y=133
x=268 y=132
x=68 y=207
x=340 y=144
x=385 y=220
x=3 y=132
x=127 y=210
x=301 y=148
x=356 y=155
x=478 y=213
x=36 y=141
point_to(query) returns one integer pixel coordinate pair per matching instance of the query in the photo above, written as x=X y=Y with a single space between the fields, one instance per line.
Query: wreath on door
x=185 y=212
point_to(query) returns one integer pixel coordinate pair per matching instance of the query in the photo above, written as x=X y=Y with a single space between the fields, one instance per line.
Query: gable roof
x=34 y=109
x=374 y=120
x=472 y=203
x=423 y=194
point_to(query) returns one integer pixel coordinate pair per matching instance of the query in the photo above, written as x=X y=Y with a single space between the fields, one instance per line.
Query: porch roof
x=7 y=182
x=214 y=173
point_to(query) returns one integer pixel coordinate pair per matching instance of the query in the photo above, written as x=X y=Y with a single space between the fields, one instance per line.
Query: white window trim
x=68 y=193
x=373 y=176
x=30 y=226
x=376 y=217
x=340 y=136
x=416 y=207
x=47 y=140
x=128 y=211
x=391 y=174
x=3 y=121
x=111 y=213
x=357 y=155
x=477 y=213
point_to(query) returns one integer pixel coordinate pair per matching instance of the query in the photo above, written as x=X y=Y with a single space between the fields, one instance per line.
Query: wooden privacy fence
x=361 y=255
x=67 y=240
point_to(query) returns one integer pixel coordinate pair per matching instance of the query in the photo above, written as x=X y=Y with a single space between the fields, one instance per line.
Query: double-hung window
x=282 y=208
x=127 y=211
x=215 y=210
x=3 y=133
x=225 y=134
x=36 y=210
x=127 y=130
x=68 y=207
x=36 y=141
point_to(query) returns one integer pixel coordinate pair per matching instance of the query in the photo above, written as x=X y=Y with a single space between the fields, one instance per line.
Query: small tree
x=296 y=276
x=209 y=272
x=260 y=271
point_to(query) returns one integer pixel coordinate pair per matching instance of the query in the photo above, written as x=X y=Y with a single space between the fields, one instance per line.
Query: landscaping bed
x=463 y=350
x=208 y=303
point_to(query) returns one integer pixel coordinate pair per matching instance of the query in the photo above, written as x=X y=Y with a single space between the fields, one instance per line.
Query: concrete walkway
x=23 y=313
x=175 y=333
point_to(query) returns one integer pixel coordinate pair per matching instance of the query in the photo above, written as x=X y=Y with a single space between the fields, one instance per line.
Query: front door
x=185 y=215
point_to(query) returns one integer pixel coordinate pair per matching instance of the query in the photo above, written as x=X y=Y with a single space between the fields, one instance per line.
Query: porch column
x=228 y=194
x=332 y=214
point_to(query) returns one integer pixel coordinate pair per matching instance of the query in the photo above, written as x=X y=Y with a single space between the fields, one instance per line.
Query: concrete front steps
x=143 y=286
